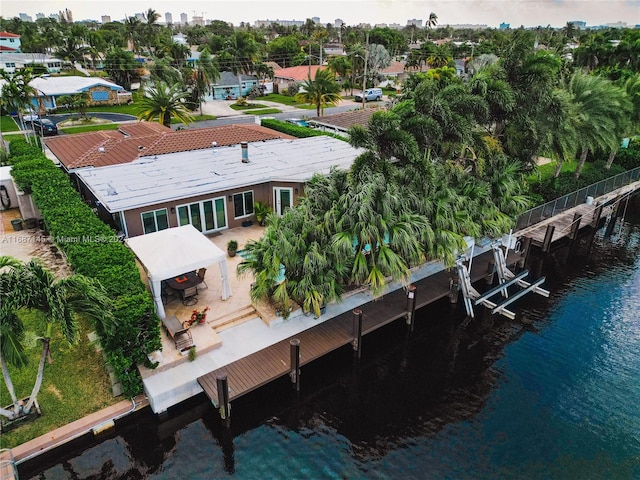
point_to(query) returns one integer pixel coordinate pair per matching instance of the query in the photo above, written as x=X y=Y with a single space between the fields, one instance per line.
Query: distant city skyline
x=529 y=13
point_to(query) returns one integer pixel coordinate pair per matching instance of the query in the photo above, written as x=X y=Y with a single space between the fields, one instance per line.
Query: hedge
x=92 y=249
x=296 y=130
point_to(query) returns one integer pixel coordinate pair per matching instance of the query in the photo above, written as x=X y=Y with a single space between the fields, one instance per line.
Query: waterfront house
x=213 y=189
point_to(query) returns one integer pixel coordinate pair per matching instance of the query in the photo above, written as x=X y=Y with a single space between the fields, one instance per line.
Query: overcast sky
x=490 y=12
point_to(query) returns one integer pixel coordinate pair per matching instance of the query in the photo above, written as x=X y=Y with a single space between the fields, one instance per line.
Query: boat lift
x=506 y=278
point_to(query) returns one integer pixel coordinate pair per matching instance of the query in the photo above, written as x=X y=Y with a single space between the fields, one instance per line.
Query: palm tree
x=203 y=75
x=603 y=111
x=431 y=22
x=321 y=91
x=632 y=89
x=242 y=51
x=17 y=93
x=163 y=102
x=60 y=302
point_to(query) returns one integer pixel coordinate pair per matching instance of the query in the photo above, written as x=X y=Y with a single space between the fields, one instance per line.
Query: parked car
x=369 y=95
x=30 y=115
x=43 y=126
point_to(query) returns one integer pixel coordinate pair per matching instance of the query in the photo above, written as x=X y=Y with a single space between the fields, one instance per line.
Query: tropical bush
x=93 y=250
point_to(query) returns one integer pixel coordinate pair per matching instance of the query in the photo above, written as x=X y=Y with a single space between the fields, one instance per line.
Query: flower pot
x=232 y=253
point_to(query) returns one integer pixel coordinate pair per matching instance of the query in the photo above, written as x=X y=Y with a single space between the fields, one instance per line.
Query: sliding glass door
x=207 y=216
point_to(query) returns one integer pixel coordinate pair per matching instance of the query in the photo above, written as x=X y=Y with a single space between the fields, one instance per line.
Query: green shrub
x=296 y=130
x=93 y=250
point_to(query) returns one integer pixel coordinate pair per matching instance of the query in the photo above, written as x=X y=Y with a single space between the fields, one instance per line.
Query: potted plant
x=232 y=248
x=261 y=210
x=198 y=316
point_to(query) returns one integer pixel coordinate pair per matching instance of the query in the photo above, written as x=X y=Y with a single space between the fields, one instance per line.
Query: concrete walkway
x=222 y=108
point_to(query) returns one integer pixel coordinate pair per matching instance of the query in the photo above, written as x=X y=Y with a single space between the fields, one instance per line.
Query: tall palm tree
x=321 y=91
x=17 y=93
x=603 y=111
x=431 y=23
x=60 y=302
x=242 y=52
x=632 y=89
x=164 y=102
x=203 y=75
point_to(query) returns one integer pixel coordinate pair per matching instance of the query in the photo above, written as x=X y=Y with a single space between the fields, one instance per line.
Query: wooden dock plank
x=271 y=363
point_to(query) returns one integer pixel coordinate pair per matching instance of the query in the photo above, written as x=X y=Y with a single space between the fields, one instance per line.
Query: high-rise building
x=24 y=17
x=337 y=23
x=184 y=19
x=316 y=20
x=197 y=21
x=168 y=18
x=414 y=22
x=505 y=26
x=106 y=19
x=39 y=16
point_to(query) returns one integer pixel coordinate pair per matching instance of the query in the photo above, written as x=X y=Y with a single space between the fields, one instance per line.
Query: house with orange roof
x=9 y=42
x=287 y=77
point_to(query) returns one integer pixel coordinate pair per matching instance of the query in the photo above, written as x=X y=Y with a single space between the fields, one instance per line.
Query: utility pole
x=364 y=77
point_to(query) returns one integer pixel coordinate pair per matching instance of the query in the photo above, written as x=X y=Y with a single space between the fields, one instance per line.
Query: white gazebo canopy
x=171 y=252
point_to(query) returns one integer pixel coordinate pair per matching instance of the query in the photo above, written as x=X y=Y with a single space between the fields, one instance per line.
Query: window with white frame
x=243 y=204
x=155 y=220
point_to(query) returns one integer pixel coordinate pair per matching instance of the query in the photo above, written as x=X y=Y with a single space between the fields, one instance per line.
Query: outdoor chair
x=201 y=281
x=190 y=296
x=168 y=294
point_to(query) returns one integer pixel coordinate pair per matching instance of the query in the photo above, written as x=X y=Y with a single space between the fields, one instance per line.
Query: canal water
x=554 y=394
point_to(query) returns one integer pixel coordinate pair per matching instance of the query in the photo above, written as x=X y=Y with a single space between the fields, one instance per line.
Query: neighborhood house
x=101 y=92
x=212 y=189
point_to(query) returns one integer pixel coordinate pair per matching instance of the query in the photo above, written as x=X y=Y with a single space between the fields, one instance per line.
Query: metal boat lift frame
x=506 y=278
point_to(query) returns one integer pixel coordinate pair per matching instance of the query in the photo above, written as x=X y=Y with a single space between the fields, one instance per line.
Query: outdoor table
x=184 y=281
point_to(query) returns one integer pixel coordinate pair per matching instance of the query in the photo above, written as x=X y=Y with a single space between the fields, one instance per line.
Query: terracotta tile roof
x=299 y=73
x=143 y=128
x=8 y=35
x=99 y=149
x=345 y=120
x=399 y=67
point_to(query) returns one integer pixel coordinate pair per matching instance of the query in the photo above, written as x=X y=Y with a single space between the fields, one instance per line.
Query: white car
x=29 y=116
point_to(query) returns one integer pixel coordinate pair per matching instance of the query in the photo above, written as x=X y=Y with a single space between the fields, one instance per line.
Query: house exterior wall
x=232 y=92
x=262 y=192
x=112 y=96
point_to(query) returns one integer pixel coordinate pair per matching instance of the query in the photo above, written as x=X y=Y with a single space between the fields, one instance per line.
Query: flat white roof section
x=153 y=180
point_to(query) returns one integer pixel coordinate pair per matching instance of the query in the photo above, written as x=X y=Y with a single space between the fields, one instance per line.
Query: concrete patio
x=222 y=314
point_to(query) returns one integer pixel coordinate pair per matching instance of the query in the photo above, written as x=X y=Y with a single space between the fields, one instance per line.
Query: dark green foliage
x=93 y=249
x=566 y=183
x=629 y=158
x=297 y=131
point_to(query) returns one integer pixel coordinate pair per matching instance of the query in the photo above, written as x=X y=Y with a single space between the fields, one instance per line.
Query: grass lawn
x=90 y=128
x=248 y=107
x=544 y=172
x=263 y=111
x=7 y=124
x=75 y=385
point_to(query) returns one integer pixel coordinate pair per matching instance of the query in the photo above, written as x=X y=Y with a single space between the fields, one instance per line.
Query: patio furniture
x=183 y=281
x=178 y=332
x=168 y=293
x=201 y=274
x=190 y=296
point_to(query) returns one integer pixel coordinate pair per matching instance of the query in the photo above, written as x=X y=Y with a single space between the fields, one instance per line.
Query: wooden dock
x=273 y=362
x=564 y=224
x=567 y=224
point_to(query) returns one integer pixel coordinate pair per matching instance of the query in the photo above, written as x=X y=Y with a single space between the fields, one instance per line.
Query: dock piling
x=294 y=351
x=223 y=399
x=411 y=306
x=526 y=246
x=491 y=270
x=575 y=226
x=454 y=289
x=357 y=332
x=548 y=238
